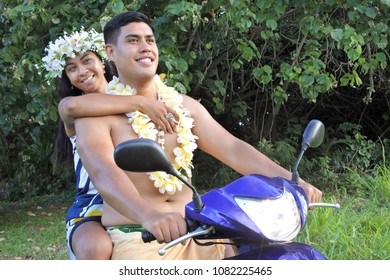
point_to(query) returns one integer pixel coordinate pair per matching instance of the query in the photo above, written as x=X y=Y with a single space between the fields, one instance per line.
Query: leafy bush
x=263 y=68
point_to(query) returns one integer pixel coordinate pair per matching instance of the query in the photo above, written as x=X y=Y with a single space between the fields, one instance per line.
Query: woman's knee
x=90 y=241
x=97 y=249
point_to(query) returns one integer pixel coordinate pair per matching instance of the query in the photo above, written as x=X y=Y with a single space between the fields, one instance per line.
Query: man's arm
x=236 y=153
x=98 y=104
x=96 y=150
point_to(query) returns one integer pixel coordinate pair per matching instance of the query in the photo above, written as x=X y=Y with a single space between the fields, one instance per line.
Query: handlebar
x=320 y=204
x=148 y=237
x=197 y=232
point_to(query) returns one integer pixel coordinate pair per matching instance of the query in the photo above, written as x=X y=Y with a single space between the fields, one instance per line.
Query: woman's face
x=86 y=72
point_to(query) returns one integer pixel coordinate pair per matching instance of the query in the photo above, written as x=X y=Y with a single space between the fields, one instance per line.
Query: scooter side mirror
x=141 y=155
x=313 y=134
x=312 y=137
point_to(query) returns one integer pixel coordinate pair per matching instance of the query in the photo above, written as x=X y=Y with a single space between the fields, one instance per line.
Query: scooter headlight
x=278 y=219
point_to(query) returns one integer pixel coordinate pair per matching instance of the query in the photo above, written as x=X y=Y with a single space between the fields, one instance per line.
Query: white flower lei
x=69 y=46
x=143 y=126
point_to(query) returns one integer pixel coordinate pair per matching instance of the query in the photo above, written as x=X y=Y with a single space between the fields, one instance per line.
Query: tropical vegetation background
x=264 y=69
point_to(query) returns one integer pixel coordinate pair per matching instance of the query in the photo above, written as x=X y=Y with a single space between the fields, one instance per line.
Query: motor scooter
x=259 y=215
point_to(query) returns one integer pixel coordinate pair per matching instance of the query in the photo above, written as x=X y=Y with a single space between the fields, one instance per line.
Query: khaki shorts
x=129 y=246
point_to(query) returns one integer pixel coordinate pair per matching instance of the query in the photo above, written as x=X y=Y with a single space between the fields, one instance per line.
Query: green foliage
x=28 y=105
x=360 y=229
x=349 y=148
x=261 y=68
x=375 y=185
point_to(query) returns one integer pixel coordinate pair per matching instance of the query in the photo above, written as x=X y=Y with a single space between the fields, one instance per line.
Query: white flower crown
x=70 y=46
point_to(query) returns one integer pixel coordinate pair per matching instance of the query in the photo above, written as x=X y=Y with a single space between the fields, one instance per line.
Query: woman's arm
x=96 y=104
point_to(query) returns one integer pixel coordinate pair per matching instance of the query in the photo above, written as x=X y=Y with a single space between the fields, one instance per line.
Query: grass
x=33 y=230
x=360 y=230
x=350 y=233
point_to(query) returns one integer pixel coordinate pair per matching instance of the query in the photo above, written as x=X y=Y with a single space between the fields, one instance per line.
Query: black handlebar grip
x=147 y=237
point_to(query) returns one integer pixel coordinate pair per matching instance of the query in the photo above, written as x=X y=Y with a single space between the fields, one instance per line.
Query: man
x=138 y=199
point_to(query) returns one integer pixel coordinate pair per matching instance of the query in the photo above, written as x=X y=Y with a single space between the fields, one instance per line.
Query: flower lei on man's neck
x=145 y=128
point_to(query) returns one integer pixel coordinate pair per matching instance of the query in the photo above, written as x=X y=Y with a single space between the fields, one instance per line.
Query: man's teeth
x=145 y=60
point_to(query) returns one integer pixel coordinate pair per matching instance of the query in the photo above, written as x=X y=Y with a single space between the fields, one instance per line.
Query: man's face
x=135 y=53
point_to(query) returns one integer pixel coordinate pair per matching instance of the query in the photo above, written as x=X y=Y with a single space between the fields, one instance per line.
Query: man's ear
x=110 y=52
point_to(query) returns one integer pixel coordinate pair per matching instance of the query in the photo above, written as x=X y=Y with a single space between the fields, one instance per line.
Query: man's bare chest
x=121 y=130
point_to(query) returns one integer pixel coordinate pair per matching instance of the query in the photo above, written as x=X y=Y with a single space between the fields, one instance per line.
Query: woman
x=78 y=61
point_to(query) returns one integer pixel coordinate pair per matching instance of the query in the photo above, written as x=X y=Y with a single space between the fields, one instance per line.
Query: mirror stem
x=295 y=174
x=198 y=203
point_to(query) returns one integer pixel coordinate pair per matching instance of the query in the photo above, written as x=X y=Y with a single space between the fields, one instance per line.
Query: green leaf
x=263 y=5
x=386 y=2
x=272 y=24
x=55 y=20
x=181 y=65
x=371 y=12
x=346 y=79
x=354 y=54
x=31 y=107
x=247 y=53
x=218 y=105
x=245 y=24
x=180 y=88
x=358 y=81
x=53 y=115
x=117 y=6
x=263 y=74
x=168 y=65
x=381 y=58
x=337 y=34
x=237 y=64
x=306 y=80
x=267 y=69
x=220 y=86
x=174 y=9
x=266 y=34
x=279 y=96
x=240 y=109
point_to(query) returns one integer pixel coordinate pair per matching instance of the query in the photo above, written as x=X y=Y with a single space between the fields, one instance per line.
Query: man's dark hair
x=112 y=28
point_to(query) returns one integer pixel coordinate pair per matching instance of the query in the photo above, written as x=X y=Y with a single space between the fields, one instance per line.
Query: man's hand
x=165 y=226
x=313 y=194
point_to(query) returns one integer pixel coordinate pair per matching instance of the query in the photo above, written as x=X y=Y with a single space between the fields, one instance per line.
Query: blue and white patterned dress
x=87 y=205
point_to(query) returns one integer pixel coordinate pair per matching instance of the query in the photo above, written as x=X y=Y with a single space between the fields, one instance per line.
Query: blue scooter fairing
x=281 y=251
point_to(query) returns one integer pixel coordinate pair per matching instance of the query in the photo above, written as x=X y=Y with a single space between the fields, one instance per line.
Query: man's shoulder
x=189 y=101
x=194 y=106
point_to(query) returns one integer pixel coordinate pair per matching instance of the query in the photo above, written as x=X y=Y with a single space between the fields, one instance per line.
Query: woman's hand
x=158 y=112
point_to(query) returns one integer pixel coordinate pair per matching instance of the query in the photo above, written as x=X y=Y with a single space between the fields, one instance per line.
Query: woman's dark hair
x=63 y=154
